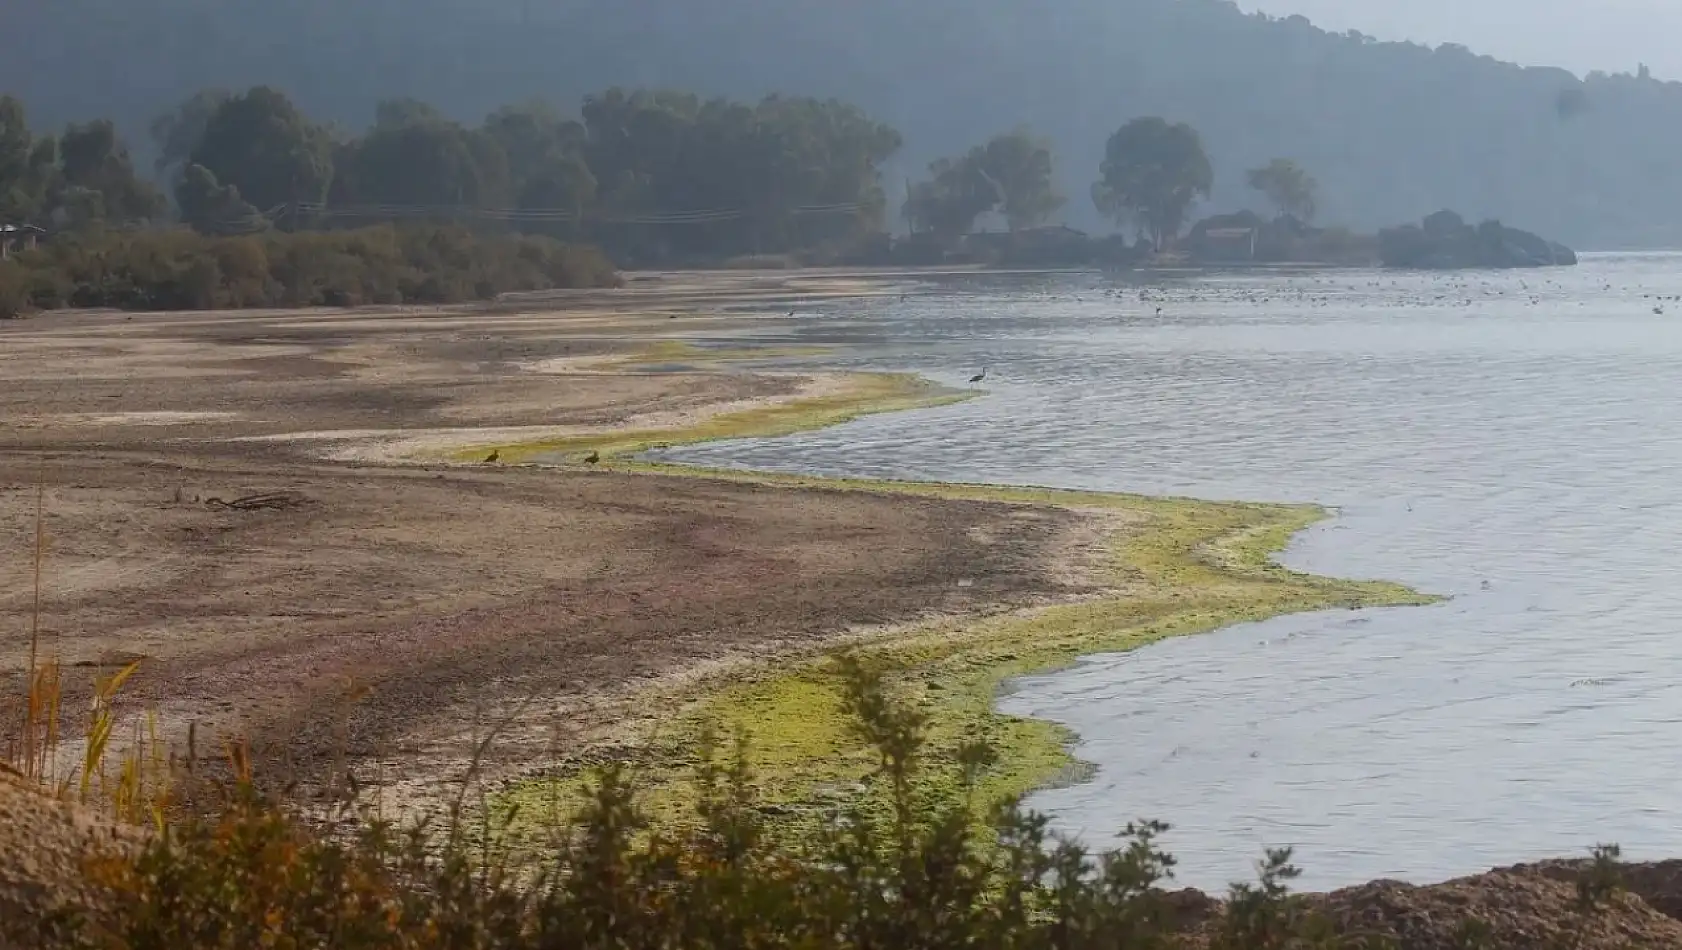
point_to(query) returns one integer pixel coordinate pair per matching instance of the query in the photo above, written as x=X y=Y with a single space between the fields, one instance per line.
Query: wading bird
x=495 y=454
x=978 y=377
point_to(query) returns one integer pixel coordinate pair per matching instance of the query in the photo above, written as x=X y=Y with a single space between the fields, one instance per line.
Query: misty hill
x=1391 y=131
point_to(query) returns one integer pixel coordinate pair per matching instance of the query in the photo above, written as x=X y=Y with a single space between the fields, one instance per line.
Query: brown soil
x=392 y=614
x=1534 y=907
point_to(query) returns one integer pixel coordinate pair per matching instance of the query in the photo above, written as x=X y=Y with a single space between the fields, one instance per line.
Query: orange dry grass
x=135 y=787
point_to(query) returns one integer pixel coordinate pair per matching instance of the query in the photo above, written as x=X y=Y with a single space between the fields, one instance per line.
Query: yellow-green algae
x=864 y=394
x=1175 y=567
x=682 y=351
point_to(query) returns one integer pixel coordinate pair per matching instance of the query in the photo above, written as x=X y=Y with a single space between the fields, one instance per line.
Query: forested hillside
x=1391 y=131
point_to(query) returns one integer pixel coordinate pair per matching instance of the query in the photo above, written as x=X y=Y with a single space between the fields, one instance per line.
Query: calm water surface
x=1513 y=441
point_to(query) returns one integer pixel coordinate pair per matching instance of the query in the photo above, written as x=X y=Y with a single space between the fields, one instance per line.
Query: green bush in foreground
x=181 y=270
x=918 y=874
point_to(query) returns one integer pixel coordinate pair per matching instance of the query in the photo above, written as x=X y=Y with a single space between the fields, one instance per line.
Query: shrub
x=14 y=290
x=182 y=270
x=920 y=873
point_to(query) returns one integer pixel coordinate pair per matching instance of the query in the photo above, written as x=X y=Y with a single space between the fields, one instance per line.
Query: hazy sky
x=1612 y=35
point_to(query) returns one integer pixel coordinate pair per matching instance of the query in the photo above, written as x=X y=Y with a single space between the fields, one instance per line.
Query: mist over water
x=1512 y=441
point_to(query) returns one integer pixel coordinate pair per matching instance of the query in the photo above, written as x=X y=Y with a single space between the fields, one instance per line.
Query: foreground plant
x=923 y=872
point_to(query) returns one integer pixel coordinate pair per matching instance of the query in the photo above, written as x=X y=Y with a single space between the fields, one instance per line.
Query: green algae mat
x=1170 y=567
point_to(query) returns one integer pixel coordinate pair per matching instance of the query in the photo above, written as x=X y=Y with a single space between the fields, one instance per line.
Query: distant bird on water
x=494 y=456
x=592 y=458
x=978 y=377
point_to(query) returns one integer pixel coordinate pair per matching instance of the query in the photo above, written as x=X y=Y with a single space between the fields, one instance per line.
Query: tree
x=212 y=207
x=546 y=165
x=1290 y=189
x=261 y=144
x=414 y=156
x=1011 y=175
x=178 y=132
x=1152 y=173
x=82 y=176
x=24 y=164
x=404 y=112
x=957 y=192
x=96 y=167
x=1021 y=166
x=725 y=177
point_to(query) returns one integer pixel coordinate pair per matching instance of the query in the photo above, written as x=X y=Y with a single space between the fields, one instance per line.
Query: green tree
x=261 y=144
x=28 y=165
x=545 y=155
x=178 y=132
x=97 y=174
x=403 y=112
x=414 y=156
x=212 y=207
x=1011 y=175
x=1288 y=188
x=782 y=173
x=1152 y=174
x=957 y=192
x=1021 y=166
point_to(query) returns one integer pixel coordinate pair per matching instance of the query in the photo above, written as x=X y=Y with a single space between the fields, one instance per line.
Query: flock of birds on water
x=1460 y=291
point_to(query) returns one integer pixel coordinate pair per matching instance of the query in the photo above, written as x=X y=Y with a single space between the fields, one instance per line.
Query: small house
x=18 y=237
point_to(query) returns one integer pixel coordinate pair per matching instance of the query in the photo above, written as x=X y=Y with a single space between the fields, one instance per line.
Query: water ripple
x=1512 y=440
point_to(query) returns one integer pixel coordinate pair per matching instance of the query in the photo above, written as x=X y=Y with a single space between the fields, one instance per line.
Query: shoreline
x=1174 y=567
x=1165 y=567
x=1062 y=574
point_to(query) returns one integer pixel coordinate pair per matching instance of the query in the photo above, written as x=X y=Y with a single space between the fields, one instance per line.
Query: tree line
x=1392 y=130
x=1152 y=174
x=649 y=174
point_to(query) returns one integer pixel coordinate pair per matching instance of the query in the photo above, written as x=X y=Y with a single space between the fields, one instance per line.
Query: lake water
x=1513 y=441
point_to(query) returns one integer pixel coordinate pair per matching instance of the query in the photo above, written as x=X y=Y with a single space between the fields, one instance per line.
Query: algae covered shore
x=1155 y=568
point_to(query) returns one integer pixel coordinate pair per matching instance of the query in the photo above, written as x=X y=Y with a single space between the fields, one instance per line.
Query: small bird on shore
x=495 y=455
x=592 y=458
x=978 y=377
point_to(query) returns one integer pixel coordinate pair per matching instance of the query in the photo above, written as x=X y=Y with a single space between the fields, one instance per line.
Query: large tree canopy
x=261 y=144
x=1011 y=175
x=82 y=176
x=1153 y=172
x=1289 y=188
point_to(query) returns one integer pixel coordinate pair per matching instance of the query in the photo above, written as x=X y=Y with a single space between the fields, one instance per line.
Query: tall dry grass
x=124 y=773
